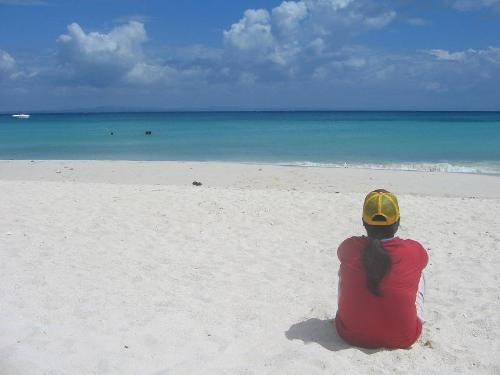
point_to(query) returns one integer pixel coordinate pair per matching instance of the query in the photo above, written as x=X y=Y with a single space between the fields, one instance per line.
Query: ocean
x=467 y=142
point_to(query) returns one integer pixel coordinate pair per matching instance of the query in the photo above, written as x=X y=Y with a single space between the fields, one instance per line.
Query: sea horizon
x=242 y=110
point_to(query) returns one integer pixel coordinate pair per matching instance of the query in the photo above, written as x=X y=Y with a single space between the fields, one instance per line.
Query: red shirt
x=389 y=320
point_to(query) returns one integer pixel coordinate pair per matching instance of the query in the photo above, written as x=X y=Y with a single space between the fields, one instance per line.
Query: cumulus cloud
x=283 y=41
x=99 y=58
x=288 y=41
x=315 y=40
x=305 y=22
x=252 y=32
x=296 y=45
x=104 y=59
x=289 y=16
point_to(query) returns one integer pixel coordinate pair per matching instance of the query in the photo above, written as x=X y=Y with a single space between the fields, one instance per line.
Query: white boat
x=21 y=115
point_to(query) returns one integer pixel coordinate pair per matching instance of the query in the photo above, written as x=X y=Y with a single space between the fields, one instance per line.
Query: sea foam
x=490 y=168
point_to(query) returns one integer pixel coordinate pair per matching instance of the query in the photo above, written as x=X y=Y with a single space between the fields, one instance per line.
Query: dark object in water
x=196 y=183
x=111 y=133
x=147 y=132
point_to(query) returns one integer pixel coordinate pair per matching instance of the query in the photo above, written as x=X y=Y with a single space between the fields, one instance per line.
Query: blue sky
x=241 y=54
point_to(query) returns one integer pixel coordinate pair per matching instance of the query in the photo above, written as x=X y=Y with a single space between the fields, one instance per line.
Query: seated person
x=380 y=280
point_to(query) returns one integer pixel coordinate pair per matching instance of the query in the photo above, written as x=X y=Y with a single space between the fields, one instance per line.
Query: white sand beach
x=127 y=268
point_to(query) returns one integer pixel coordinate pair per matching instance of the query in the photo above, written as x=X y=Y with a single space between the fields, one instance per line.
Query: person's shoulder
x=417 y=248
x=350 y=244
x=411 y=243
x=408 y=242
x=353 y=241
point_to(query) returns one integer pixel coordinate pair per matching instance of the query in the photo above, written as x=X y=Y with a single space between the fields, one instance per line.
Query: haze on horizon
x=309 y=54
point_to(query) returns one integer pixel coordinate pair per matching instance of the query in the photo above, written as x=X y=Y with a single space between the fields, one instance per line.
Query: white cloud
x=13 y=72
x=334 y=5
x=145 y=74
x=7 y=62
x=7 y=65
x=252 y=32
x=288 y=41
x=441 y=72
x=465 y=5
x=304 y=43
x=295 y=29
x=121 y=46
x=102 y=59
x=458 y=71
x=442 y=54
x=490 y=55
x=357 y=15
x=288 y=17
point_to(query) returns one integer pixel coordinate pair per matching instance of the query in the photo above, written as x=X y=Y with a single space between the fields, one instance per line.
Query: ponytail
x=377 y=263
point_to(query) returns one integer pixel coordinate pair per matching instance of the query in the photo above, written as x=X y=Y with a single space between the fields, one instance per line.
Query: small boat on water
x=21 y=115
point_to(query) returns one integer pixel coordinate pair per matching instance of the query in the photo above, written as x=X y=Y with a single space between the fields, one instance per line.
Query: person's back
x=379 y=281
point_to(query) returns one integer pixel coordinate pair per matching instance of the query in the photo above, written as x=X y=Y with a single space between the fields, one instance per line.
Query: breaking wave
x=490 y=168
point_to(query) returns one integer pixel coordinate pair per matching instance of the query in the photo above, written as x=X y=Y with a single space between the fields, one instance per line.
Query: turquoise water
x=448 y=141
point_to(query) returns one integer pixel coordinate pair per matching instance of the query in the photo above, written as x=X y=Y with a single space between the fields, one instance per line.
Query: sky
x=68 y=55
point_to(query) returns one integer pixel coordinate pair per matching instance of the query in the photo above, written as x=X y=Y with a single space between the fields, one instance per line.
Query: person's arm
x=425 y=257
x=338 y=288
x=419 y=302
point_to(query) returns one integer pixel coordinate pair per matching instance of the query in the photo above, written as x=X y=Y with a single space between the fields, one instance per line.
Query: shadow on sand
x=321 y=332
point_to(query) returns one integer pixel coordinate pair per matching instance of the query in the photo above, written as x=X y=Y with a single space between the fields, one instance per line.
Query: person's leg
x=420 y=298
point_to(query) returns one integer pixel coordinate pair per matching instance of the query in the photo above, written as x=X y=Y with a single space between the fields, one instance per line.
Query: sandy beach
x=127 y=268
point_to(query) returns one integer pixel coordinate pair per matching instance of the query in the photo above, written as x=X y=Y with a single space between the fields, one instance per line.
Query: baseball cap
x=380 y=208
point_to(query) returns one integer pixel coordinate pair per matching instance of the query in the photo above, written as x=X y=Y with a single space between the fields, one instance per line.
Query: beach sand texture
x=126 y=268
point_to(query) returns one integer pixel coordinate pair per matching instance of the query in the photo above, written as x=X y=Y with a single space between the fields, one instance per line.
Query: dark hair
x=376 y=260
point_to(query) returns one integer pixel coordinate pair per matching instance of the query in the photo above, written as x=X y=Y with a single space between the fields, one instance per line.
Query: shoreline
x=404 y=167
x=484 y=168
x=253 y=176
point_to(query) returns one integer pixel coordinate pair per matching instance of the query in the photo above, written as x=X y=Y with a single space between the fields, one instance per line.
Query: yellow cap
x=382 y=206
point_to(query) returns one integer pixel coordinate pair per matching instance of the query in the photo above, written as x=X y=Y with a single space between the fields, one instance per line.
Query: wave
x=489 y=168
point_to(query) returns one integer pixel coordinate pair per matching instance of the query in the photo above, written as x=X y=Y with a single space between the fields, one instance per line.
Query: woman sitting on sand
x=380 y=280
